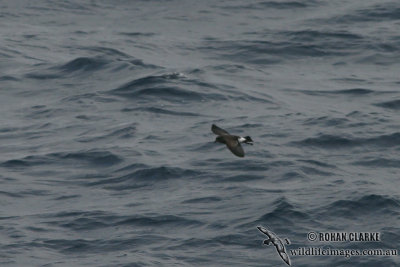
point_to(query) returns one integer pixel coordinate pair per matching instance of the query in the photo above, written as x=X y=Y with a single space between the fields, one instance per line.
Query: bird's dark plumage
x=276 y=241
x=218 y=131
x=231 y=141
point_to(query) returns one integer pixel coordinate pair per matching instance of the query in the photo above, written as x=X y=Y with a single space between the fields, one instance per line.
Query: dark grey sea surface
x=107 y=156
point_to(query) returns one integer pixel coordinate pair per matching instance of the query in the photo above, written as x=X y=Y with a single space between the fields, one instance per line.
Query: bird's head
x=248 y=140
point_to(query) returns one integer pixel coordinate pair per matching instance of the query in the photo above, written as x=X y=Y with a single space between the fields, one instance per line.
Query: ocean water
x=107 y=156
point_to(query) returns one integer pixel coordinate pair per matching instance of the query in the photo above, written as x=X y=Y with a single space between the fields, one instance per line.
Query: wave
x=372 y=13
x=283 y=213
x=10 y=194
x=366 y=205
x=167 y=87
x=293 y=175
x=315 y=171
x=326 y=121
x=265 y=5
x=378 y=12
x=219 y=239
x=172 y=92
x=314 y=35
x=107 y=51
x=202 y=200
x=104 y=60
x=26 y=193
x=92 y=220
x=242 y=178
x=42 y=112
x=317 y=163
x=362 y=47
x=114 y=133
x=132 y=167
x=43 y=75
x=334 y=141
x=389 y=140
x=325 y=43
x=85 y=97
x=95 y=246
x=379 y=163
x=84 y=64
x=268 y=52
x=8 y=78
x=161 y=111
x=393 y=104
x=159 y=221
x=345 y=92
x=354 y=91
x=327 y=141
x=384 y=59
x=65 y=197
x=119 y=57
x=251 y=164
x=144 y=177
x=138 y=34
x=96 y=158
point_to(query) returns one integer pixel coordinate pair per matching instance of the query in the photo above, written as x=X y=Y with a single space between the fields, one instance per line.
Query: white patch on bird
x=241 y=139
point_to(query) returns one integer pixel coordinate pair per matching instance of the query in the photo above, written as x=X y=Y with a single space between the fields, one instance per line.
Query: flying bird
x=231 y=141
x=277 y=242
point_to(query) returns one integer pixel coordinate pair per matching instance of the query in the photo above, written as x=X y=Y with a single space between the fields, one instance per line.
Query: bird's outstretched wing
x=264 y=231
x=234 y=146
x=280 y=248
x=285 y=257
x=218 y=131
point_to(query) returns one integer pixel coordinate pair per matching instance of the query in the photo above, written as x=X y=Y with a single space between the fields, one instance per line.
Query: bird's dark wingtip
x=261 y=229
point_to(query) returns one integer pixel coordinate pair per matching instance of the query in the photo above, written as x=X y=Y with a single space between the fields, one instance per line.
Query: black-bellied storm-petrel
x=277 y=242
x=231 y=141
